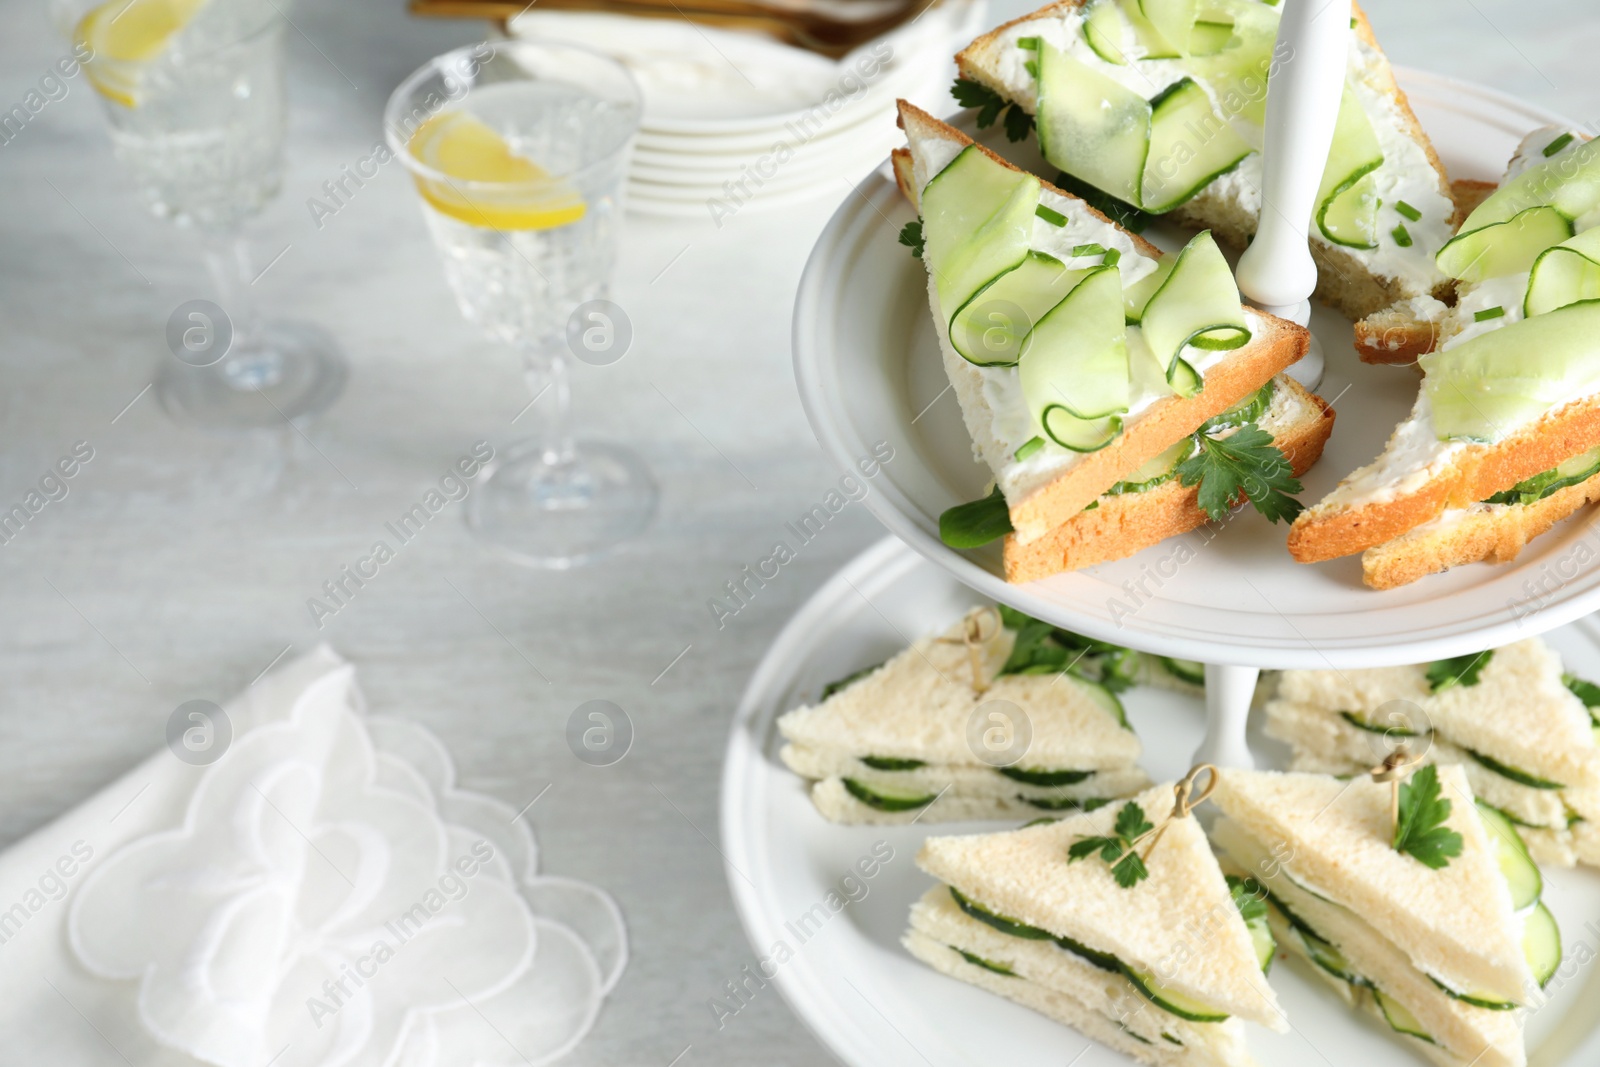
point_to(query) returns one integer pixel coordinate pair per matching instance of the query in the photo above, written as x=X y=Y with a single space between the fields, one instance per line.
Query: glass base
x=562 y=515
x=283 y=371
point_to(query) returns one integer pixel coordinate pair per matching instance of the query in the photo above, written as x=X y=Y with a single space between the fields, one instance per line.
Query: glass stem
x=249 y=364
x=545 y=370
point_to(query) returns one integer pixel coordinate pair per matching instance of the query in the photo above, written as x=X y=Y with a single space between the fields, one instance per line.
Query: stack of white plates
x=735 y=121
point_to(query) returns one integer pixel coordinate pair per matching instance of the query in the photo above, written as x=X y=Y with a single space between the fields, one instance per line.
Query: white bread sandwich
x=1434 y=924
x=1156 y=962
x=919 y=739
x=1504 y=439
x=1159 y=107
x=1516 y=724
x=1069 y=404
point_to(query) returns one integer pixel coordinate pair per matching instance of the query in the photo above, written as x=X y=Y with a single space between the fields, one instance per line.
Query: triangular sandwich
x=1158 y=107
x=1420 y=923
x=1096 y=375
x=914 y=739
x=1162 y=968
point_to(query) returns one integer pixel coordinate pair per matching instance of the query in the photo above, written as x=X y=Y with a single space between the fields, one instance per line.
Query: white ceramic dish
x=869 y=370
x=870 y=1002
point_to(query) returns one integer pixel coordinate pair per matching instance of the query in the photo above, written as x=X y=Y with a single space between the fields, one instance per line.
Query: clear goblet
x=518 y=150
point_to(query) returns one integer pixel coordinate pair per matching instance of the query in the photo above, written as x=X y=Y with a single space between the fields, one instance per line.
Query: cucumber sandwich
x=918 y=738
x=1510 y=718
x=1158 y=958
x=1156 y=107
x=1434 y=924
x=1504 y=439
x=1119 y=395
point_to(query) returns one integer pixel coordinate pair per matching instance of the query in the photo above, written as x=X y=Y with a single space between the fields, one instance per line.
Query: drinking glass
x=193 y=91
x=518 y=150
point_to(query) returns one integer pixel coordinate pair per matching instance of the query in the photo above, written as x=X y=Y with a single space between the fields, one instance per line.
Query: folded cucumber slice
x=1400 y=1018
x=1515 y=373
x=992 y=329
x=1520 y=777
x=1185 y=670
x=1565 y=274
x=1184 y=379
x=999 y=922
x=1104 y=697
x=1541 y=943
x=1074 y=375
x=1347 y=207
x=1502 y=248
x=977 y=217
x=1153 y=44
x=1197 y=304
x=1165 y=997
x=888 y=799
x=1208 y=38
x=1569 y=181
x=1103 y=32
x=1190 y=145
x=1137 y=296
x=1237 y=73
x=1250 y=409
x=1156 y=471
x=1041 y=777
x=1091 y=126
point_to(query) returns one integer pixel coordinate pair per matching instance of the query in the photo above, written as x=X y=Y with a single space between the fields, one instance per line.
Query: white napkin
x=321 y=895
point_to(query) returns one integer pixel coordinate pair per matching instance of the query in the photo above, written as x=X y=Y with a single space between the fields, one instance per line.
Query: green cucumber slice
x=1119 y=668
x=1400 y=1018
x=1152 y=43
x=1063 y=804
x=977 y=217
x=1569 y=182
x=891 y=763
x=1041 y=777
x=1520 y=777
x=1248 y=410
x=1098 y=959
x=1090 y=125
x=1199 y=301
x=1185 y=670
x=1172 y=20
x=1208 y=38
x=1184 y=379
x=1392 y=730
x=1541 y=943
x=992 y=329
x=1347 y=207
x=1190 y=145
x=1102 y=31
x=1502 y=248
x=1579 y=468
x=999 y=922
x=1251 y=900
x=1514 y=373
x=988 y=965
x=1104 y=697
x=1169 y=999
x=1564 y=275
x=1237 y=74
x=886 y=799
x=1075 y=375
x=1330 y=959
x=1156 y=471
x=1477 y=1000
x=1136 y=297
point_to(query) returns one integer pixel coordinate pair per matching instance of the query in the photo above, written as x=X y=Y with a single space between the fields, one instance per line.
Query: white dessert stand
x=868 y=368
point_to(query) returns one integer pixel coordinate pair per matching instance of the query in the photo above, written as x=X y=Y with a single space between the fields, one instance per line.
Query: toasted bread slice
x=1124 y=523
x=1045 y=498
x=1359 y=283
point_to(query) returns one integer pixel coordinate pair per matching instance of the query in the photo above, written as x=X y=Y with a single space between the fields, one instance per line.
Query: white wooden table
x=178 y=566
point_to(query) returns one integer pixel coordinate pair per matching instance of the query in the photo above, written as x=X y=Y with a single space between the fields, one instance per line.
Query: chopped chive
x=1352 y=22
x=1089 y=250
x=1092 y=505
x=1112 y=257
x=1557 y=145
x=1489 y=313
x=1402 y=236
x=1030 y=43
x=1029 y=448
x=1407 y=210
x=1050 y=215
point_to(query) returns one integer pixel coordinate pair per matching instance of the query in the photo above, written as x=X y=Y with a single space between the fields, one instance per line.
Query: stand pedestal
x=1229 y=692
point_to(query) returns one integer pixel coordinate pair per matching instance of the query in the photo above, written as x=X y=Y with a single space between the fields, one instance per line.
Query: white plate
x=641 y=201
x=870 y=1002
x=869 y=370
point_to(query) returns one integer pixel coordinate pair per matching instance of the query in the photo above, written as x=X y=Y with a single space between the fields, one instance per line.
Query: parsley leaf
x=1041 y=648
x=976 y=524
x=1249 y=897
x=1420 y=829
x=1116 y=848
x=1245 y=463
x=1587 y=692
x=911 y=237
x=1461 y=670
x=1018 y=123
x=1120 y=212
x=989 y=103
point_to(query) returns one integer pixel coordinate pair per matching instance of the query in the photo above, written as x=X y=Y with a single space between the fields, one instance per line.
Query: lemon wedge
x=467 y=150
x=123 y=35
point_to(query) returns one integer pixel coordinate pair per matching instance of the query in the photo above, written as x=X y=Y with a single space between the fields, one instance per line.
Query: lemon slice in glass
x=123 y=36
x=486 y=183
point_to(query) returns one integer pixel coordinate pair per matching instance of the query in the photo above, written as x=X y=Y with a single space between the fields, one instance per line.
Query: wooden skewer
x=1184 y=801
x=1394 y=768
x=974 y=639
